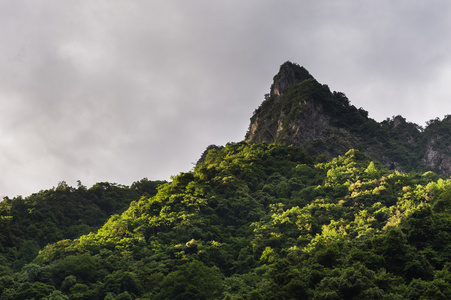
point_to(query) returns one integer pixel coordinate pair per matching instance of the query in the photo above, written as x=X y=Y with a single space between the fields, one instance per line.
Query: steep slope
x=256 y=221
x=294 y=112
x=437 y=145
x=300 y=111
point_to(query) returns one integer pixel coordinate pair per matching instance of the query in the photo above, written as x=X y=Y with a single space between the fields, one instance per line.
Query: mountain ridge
x=302 y=112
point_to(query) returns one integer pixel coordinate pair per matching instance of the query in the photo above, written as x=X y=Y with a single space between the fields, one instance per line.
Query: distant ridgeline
x=302 y=112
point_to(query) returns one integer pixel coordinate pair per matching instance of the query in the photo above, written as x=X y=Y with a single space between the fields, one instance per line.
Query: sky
x=101 y=90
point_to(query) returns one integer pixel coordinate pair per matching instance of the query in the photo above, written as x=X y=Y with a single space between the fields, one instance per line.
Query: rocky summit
x=301 y=111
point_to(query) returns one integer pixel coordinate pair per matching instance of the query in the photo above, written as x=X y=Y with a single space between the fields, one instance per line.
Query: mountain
x=279 y=218
x=300 y=111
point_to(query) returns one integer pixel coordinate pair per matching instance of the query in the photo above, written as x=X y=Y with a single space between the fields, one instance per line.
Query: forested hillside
x=28 y=224
x=261 y=221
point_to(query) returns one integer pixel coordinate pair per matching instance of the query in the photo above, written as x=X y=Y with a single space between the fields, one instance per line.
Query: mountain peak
x=302 y=112
x=289 y=74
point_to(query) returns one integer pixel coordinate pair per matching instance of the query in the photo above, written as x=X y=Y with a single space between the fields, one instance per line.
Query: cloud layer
x=117 y=91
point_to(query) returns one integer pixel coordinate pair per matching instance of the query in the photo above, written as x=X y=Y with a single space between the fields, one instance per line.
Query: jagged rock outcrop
x=287 y=77
x=302 y=112
x=437 y=145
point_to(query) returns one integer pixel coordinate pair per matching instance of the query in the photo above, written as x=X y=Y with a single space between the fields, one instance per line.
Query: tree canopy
x=255 y=221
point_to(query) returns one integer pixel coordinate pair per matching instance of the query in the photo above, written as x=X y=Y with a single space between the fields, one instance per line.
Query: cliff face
x=289 y=74
x=437 y=145
x=302 y=112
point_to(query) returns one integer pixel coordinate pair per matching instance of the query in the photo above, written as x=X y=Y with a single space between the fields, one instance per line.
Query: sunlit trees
x=251 y=221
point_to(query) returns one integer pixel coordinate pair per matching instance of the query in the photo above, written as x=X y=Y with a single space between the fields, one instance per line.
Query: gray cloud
x=117 y=91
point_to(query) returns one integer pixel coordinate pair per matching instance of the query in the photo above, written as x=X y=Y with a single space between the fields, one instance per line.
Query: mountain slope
x=302 y=112
x=262 y=222
x=28 y=224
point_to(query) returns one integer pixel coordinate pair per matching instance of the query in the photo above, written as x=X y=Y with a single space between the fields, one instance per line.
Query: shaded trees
x=259 y=221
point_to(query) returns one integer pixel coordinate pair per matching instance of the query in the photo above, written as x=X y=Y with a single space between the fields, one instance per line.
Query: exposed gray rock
x=301 y=112
x=286 y=78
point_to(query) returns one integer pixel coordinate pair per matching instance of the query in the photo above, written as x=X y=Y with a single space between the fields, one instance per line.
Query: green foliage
x=256 y=221
x=28 y=224
x=191 y=280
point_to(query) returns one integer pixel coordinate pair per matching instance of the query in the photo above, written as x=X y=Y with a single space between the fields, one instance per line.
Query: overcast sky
x=117 y=91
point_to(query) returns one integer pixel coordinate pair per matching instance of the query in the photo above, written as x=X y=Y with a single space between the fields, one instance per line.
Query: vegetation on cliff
x=309 y=115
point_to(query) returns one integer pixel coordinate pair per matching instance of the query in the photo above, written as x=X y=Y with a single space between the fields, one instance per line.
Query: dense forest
x=28 y=224
x=250 y=221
